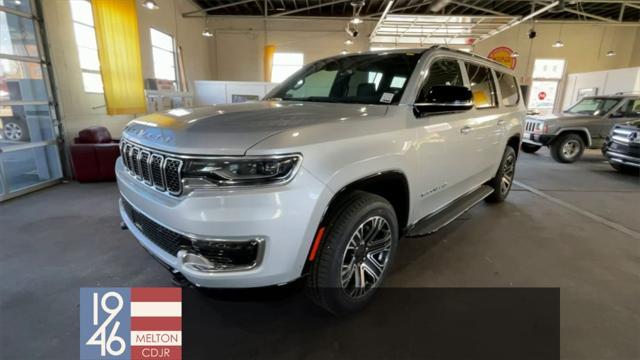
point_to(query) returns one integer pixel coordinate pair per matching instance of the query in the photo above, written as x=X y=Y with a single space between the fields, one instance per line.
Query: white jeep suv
x=324 y=176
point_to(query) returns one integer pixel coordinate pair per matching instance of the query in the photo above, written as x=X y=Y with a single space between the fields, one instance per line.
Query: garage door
x=29 y=153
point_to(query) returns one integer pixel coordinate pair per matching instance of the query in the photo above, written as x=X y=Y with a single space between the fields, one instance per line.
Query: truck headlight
x=244 y=171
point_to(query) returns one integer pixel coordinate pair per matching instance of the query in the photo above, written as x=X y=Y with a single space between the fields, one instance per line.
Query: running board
x=436 y=221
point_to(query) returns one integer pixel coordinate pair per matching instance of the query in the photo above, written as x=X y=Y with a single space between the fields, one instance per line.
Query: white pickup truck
x=322 y=178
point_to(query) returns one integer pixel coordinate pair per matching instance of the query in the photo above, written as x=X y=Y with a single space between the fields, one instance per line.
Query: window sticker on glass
x=387 y=98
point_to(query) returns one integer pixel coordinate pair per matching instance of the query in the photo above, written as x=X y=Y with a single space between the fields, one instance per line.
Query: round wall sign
x=503 y=56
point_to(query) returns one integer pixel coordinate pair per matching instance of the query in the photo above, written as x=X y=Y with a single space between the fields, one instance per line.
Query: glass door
x=29 y=153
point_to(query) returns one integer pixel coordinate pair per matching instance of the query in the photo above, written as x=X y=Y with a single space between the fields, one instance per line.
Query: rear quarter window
x=508 y=88
x=482 y=86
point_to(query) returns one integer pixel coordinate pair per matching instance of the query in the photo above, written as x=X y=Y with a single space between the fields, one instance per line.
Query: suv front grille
x=530 y=126
x=153 y=168
x=224 y=254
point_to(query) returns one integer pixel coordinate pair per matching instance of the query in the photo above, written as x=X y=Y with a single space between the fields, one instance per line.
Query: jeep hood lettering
x=233 y=129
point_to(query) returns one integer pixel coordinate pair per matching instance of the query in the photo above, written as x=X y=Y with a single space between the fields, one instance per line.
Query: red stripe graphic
x=156 y=323
x=156 y=352
x=156 y=294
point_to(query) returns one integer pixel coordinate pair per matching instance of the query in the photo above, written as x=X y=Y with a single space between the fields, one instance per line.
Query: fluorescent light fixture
x=558 y=44
x=348 y=42
x=356 y=20
x=150 y=4
x=611 y=53
x=343 y=52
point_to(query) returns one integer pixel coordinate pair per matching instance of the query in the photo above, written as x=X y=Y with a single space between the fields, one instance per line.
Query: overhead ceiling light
x=17 y=2
x=515 y=54
x=356 y=20
x=611 y=53
x=150 y=4
x=558 y=44
x=343 y=52
x=439 y=5
x=207 y=33
x=348 y=42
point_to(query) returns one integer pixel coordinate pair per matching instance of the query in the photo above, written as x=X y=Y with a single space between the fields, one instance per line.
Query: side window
x=482 y=86
x=508 y=88
x=443 y=72
x=630 y=109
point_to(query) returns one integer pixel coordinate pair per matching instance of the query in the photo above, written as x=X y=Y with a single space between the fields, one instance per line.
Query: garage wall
x=237 y=50
x=582 y=46
x=79 y=109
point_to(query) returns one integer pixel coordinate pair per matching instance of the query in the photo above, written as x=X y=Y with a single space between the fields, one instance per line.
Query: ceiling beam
x=308 y=8
x=384 y=15
x=218 y=7
x=479 y=8
x=517 y=22
x=577 y=12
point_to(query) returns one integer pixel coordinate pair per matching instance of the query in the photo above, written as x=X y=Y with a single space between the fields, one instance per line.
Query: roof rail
x=472 y=54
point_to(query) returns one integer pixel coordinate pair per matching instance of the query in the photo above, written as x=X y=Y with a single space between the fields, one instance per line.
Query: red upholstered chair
x=94 y=155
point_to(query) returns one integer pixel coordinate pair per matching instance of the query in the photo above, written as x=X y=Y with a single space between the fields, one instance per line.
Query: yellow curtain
x=269 y=50
x=116 y=23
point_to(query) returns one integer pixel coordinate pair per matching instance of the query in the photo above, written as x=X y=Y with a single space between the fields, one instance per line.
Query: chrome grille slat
x=153 y=168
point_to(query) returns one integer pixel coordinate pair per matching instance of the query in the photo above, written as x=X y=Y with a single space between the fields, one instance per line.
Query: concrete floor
x=586 y=242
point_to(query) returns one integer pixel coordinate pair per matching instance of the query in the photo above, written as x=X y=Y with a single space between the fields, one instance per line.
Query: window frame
x=497 y=103
x=497 y=81
x=173 y=53
x=78 y=47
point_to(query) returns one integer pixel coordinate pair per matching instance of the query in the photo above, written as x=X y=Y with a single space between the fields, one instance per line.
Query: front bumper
x=622 y=159
x=537 y=139
x=283 y=219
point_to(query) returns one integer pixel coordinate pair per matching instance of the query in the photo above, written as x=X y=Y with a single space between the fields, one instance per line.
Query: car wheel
x=355 y=253
x=13 y=131
x=567 y=148
x=529 y=148
x=503 y=180
x=625 y=169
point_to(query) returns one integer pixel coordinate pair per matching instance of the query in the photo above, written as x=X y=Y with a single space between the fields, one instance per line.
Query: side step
x=434 y=222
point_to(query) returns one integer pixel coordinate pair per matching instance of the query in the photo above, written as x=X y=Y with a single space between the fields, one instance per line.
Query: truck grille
x=153 y=168
x=623 y=136
x=530 y=126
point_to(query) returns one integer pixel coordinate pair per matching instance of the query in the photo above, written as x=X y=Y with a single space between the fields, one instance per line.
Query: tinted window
x=508 y=89
x=364 y=79
x=482 y=87
x=444 y=72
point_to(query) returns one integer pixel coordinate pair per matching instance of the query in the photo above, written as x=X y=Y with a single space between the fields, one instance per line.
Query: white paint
x=156 y=309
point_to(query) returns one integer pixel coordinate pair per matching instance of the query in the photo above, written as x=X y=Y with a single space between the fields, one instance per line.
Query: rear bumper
x=537 y=139
x=283 y=219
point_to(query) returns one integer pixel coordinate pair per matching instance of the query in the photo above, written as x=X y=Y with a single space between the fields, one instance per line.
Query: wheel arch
x=582 y=131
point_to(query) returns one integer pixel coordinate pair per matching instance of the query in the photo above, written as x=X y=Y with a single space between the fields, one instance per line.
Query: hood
x=561 y=117
x=233 y=129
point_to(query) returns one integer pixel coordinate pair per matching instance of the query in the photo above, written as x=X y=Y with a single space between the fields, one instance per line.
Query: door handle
x=501 y=122
x=465 y=129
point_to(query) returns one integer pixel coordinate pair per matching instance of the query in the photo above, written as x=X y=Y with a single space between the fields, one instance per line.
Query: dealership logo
x=131 y=323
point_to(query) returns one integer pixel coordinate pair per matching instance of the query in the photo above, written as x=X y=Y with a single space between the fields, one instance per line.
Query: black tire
x=325 y=281
x=567 y=148
x=625 y=169
x=503 y=181
x=529 y=148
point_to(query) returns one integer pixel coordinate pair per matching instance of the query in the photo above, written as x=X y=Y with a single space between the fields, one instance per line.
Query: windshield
x=363 y=79
x=593 y=106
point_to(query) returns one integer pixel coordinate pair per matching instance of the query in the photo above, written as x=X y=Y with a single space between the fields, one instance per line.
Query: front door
x=29 y=153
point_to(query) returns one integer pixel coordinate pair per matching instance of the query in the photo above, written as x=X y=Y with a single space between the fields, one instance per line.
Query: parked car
x=622 y=147
x=322 y=177
x=584 y=125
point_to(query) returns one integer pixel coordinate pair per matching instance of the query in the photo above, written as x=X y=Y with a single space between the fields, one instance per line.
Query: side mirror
x=444 y=98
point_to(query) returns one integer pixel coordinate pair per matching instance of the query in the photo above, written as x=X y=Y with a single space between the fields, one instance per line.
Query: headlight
x=244 y=171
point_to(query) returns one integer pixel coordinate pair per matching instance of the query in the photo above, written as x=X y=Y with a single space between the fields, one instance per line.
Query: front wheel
x=503 y=180
x=529 y=148
x=567 y=148
x=355 y=253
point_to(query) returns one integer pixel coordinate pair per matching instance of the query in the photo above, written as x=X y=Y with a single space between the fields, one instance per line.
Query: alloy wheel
x=570 y=149
x=508 y=170
x=13 y=131
x=366 y=256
